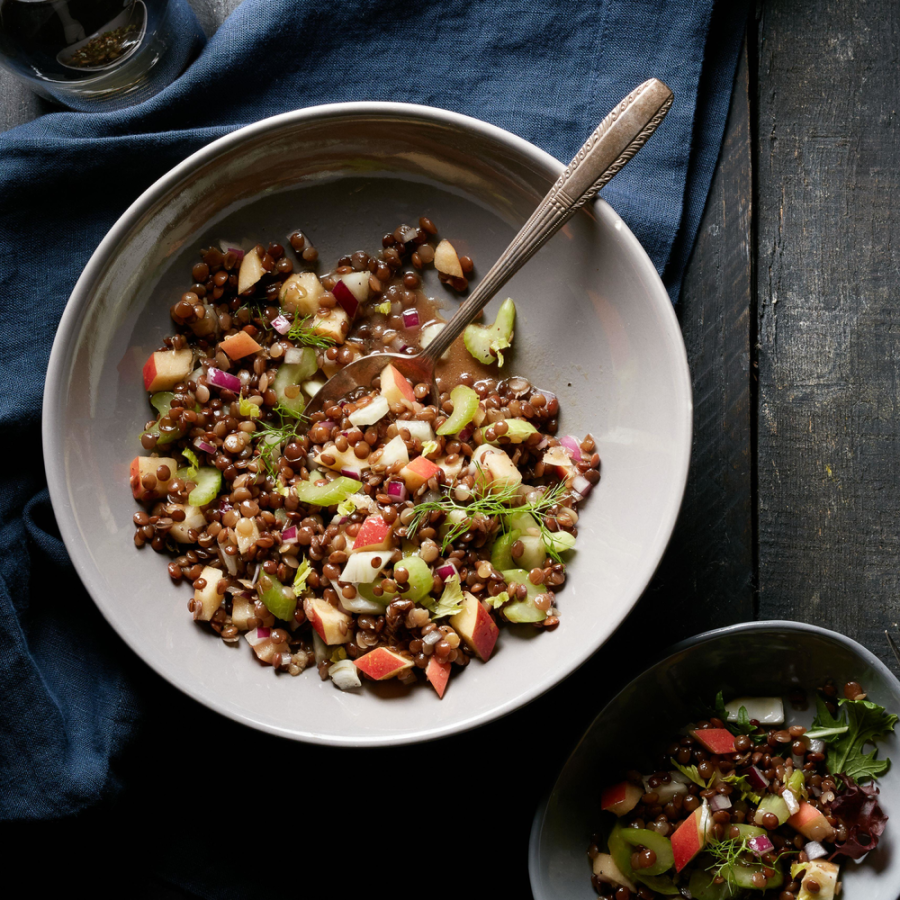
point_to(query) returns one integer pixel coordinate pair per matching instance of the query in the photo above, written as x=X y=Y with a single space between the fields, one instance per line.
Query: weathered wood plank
x=829 y=366
x=706 y=578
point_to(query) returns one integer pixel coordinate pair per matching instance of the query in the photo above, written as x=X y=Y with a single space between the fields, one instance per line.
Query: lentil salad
x=387 y=535
x=744 y=804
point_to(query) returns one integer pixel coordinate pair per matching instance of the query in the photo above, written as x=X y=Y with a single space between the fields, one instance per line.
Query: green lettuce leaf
x=858 y=724
x=451 y=599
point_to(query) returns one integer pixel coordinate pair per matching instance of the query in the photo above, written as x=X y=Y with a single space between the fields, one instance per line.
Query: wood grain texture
x=829 y=320
x=706 y=577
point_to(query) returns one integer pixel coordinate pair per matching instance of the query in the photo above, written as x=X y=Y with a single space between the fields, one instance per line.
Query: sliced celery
x=421 y=578
x=209 y=482
x=486 y=342
x=465 y=403
x=161 y=401
x=290 y=376
x=501 y=552
x=327 y=494
x=558 y=541
x=279 y=599
x=523 y=610
x=518 y=430
x=660 y=845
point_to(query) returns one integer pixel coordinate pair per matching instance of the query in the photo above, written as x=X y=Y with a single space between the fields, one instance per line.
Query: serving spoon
x=615 y=141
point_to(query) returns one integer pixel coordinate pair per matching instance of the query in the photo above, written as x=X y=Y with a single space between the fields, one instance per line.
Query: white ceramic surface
x=595 y=326
x=664 y=697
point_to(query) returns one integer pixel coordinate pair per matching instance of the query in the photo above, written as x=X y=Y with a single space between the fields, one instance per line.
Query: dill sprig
x=271 y=437
x=728 y=855
x=499 y=504
x=301 y=333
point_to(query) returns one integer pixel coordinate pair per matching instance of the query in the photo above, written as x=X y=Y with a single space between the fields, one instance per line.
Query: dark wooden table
x=791 y=321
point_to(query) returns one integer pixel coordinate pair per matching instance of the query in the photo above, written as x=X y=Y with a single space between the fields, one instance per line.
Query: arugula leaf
x=859 y=723
x=451 y=600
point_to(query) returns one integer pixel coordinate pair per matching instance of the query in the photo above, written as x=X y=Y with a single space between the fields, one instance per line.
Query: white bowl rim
x=762 y=625
x=79 y=300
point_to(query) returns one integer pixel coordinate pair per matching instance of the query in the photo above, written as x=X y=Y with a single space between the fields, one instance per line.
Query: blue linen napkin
x=73 y=695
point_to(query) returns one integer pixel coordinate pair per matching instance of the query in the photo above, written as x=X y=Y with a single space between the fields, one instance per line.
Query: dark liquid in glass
x=71 y=40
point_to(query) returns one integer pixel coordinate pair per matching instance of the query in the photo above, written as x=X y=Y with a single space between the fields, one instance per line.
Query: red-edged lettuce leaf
x=857 y=807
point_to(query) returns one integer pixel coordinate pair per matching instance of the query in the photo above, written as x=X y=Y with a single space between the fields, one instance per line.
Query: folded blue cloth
x=73 y=695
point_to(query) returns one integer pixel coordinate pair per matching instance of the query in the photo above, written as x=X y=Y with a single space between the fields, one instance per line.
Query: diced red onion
x=235 y=250
x=757 y=780
x=760 y=845
x=542 y=443
x=571 y=444
x=466 y=433
x=281 y=324
x=350 y=473
x=397 y=490
x=258 y=636
x=410 y=318
x=719 y=801
x=581 y=486
x=224 y=505
x=345 y=298
x=447 y=570
x=293 y=355
x=205 y=446
x=289 y=535
x=218 y=378
x=814 y=850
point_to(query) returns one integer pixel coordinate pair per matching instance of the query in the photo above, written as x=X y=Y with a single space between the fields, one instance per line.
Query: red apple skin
x=811 y=823
x=165 y=368
x=485 y=635
x=239 y=345
x=687 y=841
x=381 y=664
x=716 y=740
x=314 y=609
x=143 y=465
x=418 y=471
x=621 y=798
x=374 y=534
x=393 y=383
x=438 y=673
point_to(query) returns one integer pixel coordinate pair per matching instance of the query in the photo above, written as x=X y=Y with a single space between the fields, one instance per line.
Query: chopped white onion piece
x=320 y=648
x=416 y=429
x=814 y=850
x=790 y=799
x=230 y=561
x=293 y=356
x=313 y=386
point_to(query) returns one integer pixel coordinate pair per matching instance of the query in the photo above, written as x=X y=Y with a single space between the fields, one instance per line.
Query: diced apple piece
x=825 y=875
x=239 y=345
x=335 y=325
x=343 y=462
x=396 y=389
x=166 y=368
x=346 y=299
x=438 y=674
x=208 y=599
x=476 y=626
x=715 y=740
x=374 y=534
x=496 y=468
x=606 y=870
x=416 y=428
x=265 y=648
x=358 y=284
x=193 y=518
x=451 y=470
x=301 y=293
x=418 y=471
x=150 y=465
x=690 y=837
x=811 y=823
x=446 y=260
x=394 y=452
x=381 y=663
x=250 y=272
x=331 y=624
x=242 y=611
x=621 y=798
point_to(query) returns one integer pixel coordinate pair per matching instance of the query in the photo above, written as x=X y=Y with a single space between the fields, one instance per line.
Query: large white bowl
x=595 y=326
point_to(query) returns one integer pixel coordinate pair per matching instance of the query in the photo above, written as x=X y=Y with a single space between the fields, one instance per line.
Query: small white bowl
x=753 y=659
x=595 y=326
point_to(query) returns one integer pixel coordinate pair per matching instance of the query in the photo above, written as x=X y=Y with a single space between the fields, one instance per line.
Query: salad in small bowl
x=753 y=761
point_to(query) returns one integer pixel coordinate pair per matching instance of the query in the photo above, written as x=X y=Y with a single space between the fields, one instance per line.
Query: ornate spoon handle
x=616 y=139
